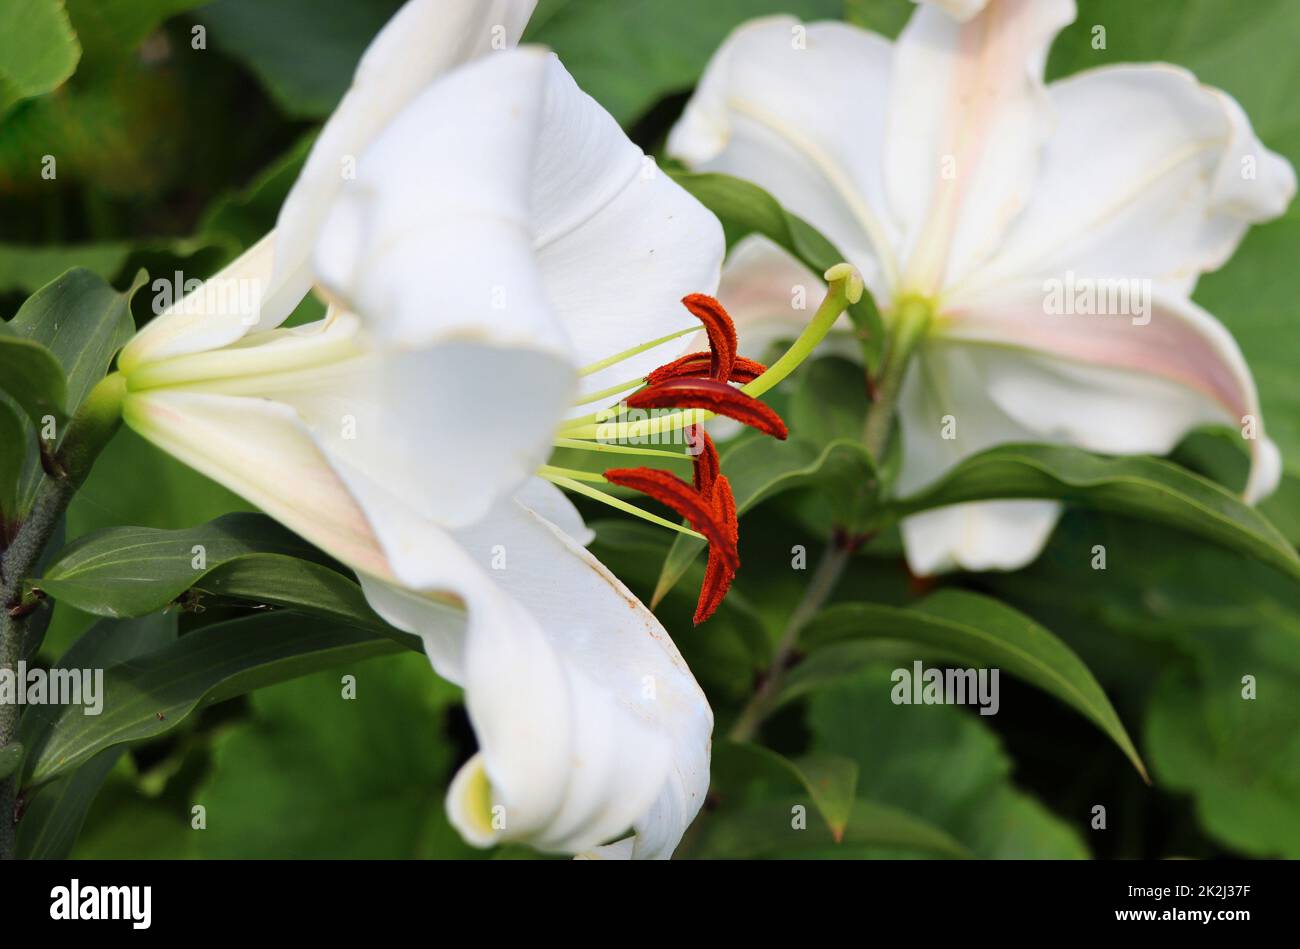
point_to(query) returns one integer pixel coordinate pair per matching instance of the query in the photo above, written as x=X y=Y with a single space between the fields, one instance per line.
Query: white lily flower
x=499 y=234
x=969 y=192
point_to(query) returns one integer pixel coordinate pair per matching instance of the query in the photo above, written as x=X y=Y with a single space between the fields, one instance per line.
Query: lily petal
x=1114 y=383
x=1148 y=174
x=618 y=243
x=967 y=119
x=588 y=723
x=960 y=10
x=234 y=302
x=801 y=110
x=423 y=40
x=432 y=241
x=586 y=728
x=437 y=433
x=946 y=414
x=260 y=450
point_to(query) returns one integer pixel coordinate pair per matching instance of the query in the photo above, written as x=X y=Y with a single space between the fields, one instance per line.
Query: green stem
x=94 y=424
x=907 y=329
x=820 y=587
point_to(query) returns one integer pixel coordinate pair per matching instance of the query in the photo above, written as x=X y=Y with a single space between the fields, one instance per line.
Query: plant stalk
x=94 y=424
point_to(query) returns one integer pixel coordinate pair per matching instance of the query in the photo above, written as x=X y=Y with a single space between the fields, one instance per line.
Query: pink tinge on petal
x=1168 y=338
x=969 y=115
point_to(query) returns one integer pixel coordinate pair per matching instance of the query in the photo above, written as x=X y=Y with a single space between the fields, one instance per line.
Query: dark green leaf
x=13 y=435
x=940 y=764
x=1145 y=488
x=131 y=571
x=309 y=754
x=270 y=38
x=629 y=54
x=765 y=830
x=83 y=321
x=830 y=780
x=54 y=815
x=980 y=631
x=32 y=377
x=152 y=694
x=11 y=756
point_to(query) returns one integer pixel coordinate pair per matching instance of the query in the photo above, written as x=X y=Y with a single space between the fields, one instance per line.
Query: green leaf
x=978 y=630
x=270 y=38
x=761 y=467
x=940 y=764
x=31 y=376
x=38 y=49
x=133 y=483
x=131 y=571
x=111 y=30
x=764 y=830
x=1145 y=488
x=11 y=756
x=632 y=53
x=1178 y=623
x=54 y=815
x=308 y=755
x=745 y=208
x=27 y=268
x=153 y=693
x=84 y=322
x=830 y=780
x=13 y=435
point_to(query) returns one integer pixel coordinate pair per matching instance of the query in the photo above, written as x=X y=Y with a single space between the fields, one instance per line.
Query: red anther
x=718 y=574
x=666 y=488
x=700 y=365
x=707 y=467
x=717 y=397
x=720 y=329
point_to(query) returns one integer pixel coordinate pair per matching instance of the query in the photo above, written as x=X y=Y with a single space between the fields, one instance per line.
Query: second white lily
x=986 y=206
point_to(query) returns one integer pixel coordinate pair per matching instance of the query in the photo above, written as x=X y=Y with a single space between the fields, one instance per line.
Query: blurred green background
x=173 y=157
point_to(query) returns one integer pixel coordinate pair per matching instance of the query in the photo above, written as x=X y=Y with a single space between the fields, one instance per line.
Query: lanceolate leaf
x=979 y=631
x=764 y=830
x=131 y=571
x=830 y=780
x=745 y=208
x=12 y=435
x=1140 y=487
x=54 y=815
x=83 y=322
x=150 y=695
x=31 y=376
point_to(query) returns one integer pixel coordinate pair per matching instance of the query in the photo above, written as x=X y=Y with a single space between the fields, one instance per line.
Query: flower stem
x=907 y=329
x=911 y=319
x=820 y=587
x=94 y=424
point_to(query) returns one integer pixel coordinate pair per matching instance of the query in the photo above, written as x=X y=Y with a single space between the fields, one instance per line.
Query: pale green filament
x=578 y=487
